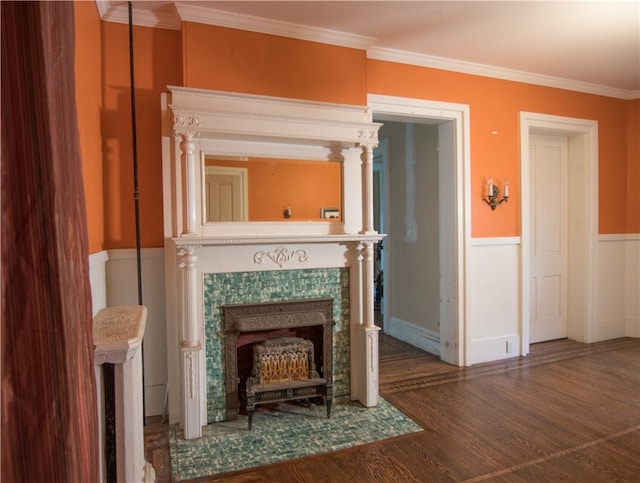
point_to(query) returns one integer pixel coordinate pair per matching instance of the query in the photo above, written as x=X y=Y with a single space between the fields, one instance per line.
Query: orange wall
x=306 y=186
x=89 y=106
x=495 y=106
x=157 y=64
x=234 y=60
x=633 y=167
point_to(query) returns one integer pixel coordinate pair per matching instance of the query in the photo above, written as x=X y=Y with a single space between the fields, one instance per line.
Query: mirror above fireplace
x=260 y=189
x=223 y=142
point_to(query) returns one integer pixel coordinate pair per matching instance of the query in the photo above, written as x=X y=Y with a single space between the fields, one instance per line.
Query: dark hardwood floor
x=566 y=412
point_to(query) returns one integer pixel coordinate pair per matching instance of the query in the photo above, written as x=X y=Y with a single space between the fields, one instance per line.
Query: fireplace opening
x=249 y=324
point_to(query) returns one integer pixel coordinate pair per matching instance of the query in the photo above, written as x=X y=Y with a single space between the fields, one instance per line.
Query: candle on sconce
x=489 y=187
x=506 y=188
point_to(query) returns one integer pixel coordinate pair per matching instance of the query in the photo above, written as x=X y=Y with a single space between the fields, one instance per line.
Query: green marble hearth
x=280 y=433
x=272 y=286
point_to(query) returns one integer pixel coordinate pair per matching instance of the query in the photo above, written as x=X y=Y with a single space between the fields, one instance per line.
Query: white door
x=549 y=237
x=226 y=194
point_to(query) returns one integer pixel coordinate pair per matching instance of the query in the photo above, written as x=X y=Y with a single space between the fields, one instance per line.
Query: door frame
x=582 y=135
x=404 y=109
x=383 y=194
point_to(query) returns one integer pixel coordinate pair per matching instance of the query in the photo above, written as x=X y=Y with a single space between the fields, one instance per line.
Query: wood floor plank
x=566 y=412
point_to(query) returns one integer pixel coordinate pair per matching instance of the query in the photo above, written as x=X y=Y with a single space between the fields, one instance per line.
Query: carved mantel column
x=187 y=148
x=367 y=189
x=364 y=335
x=190 y=346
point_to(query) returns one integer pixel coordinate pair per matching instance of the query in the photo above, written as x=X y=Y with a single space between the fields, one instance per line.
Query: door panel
x=226 y=194
x=548 y=247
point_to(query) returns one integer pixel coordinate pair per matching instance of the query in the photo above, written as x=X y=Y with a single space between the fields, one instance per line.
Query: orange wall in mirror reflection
x=276 y=184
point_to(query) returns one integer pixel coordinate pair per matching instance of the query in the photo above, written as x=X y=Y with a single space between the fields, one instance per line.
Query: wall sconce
x=287 y=212
x=492 y=196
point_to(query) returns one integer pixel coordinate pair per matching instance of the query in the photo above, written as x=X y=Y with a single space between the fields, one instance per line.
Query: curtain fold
x=49 y=409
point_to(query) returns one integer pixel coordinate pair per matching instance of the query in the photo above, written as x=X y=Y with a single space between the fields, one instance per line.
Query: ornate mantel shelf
x=274 y=240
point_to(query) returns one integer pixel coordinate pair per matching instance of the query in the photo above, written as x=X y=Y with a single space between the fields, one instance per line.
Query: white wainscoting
x=618 y=286
x=113 y=276
x=98 y=280
x=493 y=301
x=493 y=325
x=632 y=285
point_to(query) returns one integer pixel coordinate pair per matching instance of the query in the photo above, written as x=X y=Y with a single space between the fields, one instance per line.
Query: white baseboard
x=420 y=337
x=494 y=348
x=632 y=327
x=154 y=397
x=609 y=329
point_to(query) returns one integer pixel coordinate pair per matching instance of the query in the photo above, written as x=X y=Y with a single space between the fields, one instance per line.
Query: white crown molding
x=143 y=17
x=402 y=57
x=220 y=18
x=103 y=7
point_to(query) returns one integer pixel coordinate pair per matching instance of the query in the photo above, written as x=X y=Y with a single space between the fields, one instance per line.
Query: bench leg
x=328 y=404
x=251 y=405
x=250 y=415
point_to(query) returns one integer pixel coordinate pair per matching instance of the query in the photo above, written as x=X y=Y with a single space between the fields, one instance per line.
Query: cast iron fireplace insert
x=248 y=324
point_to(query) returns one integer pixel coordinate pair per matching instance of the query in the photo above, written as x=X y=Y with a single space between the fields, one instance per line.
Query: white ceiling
x=591 y=46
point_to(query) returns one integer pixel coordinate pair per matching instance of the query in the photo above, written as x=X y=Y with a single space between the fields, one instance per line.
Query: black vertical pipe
x=136 y=191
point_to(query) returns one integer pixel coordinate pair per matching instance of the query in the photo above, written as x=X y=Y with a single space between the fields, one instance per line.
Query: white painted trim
x=453 y=65
x=221 y=18
x=130 y=253
x=497 y=241
x=420 y=337
x=632 y=327
x=619 y=237
x=403 y=108
x=411 y=226
x=111 y=11
x=533 y=123
x=383 y=168
x=98 y=280
x=489 y=349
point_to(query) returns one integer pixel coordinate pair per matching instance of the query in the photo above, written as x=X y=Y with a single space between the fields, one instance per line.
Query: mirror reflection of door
x=226 y=190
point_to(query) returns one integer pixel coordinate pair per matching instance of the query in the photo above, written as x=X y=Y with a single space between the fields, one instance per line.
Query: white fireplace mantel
x=275 y=240
x=198 y=122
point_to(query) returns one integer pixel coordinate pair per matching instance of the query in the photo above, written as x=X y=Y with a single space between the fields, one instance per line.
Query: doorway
x=548 y=188
x=380 y=205
x=582 y=224
x=448 y=125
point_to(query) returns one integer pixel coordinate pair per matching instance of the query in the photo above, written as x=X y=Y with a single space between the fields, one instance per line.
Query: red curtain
x=49 y=419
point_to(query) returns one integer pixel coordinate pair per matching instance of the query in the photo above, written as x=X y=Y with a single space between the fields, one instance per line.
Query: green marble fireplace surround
x=272 y=286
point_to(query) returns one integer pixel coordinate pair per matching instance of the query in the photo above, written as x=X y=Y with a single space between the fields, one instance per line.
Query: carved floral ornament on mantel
x=280 y=256
x=190 y=121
